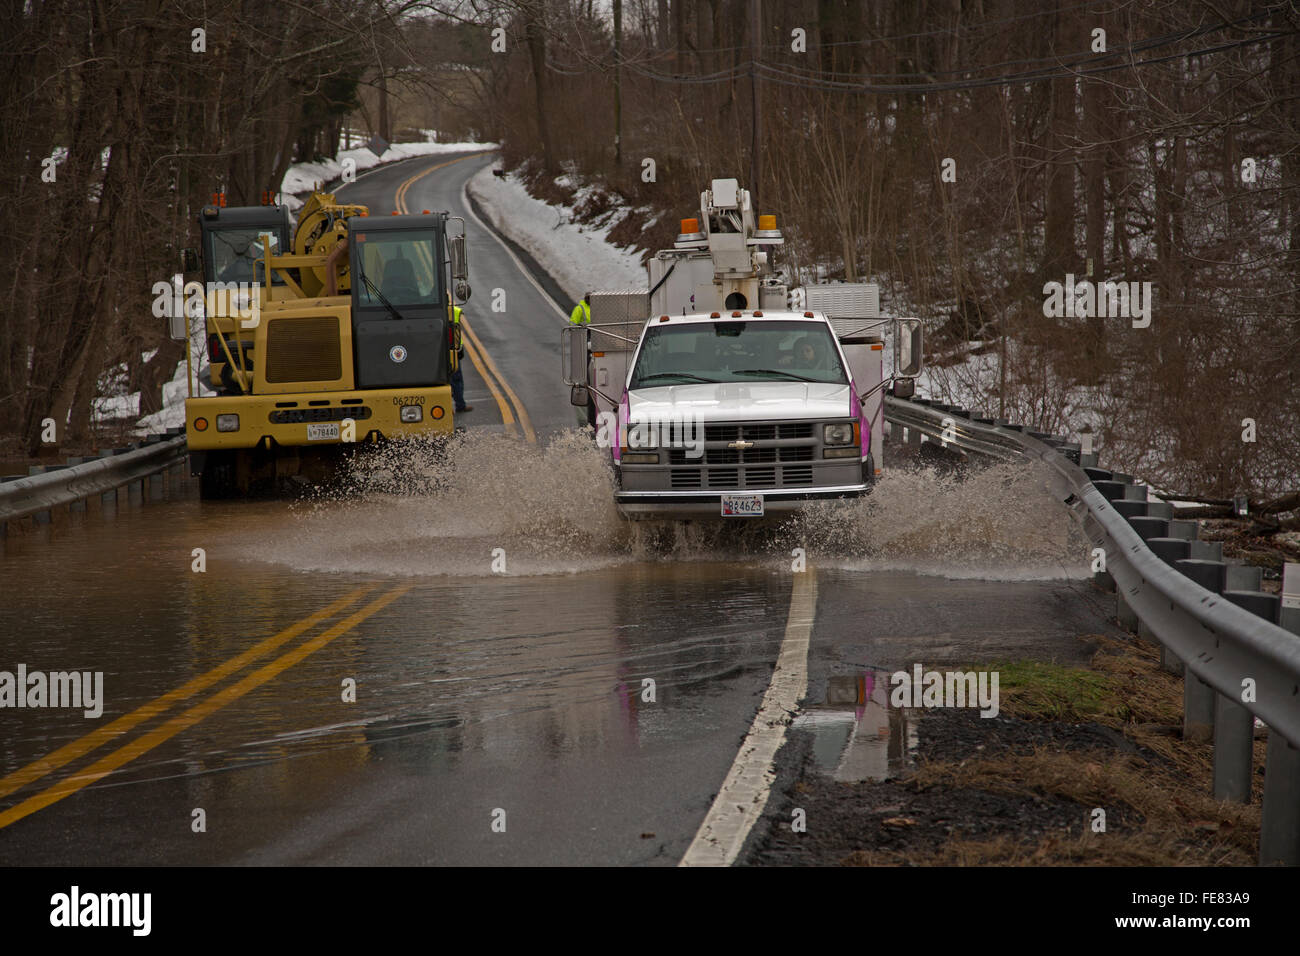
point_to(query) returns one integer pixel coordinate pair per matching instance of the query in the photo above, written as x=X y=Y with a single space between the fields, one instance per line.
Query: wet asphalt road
x=498 y=718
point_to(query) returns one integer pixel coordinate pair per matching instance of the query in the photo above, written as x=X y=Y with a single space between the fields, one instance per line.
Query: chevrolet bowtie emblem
x=740 y=445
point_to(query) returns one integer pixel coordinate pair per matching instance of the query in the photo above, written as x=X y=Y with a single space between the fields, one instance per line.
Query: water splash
x=445 y=507
x=998 y=523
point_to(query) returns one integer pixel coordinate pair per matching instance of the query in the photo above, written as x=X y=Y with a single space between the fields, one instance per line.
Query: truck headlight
x=641 y=435
x=838 y=434
x=412 y=414
x=228 y=423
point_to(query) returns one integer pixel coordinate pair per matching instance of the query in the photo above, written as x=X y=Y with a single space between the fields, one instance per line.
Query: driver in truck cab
x=805 y=354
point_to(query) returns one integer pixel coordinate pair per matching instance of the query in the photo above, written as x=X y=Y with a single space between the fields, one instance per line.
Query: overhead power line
x=1100 y=63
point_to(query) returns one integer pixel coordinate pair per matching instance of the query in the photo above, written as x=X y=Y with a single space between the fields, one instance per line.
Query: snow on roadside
x=172 y=414
x=579 y=257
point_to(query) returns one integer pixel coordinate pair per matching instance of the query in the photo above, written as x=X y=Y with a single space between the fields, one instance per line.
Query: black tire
x=217 y=481
x=229 y=384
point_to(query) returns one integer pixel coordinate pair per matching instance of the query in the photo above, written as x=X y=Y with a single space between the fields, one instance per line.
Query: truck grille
x=686 y=478
x=782 y=456
x=798 y=475
x=294 y=416
x=750 y=456
x=764 y=431
x=303 y=350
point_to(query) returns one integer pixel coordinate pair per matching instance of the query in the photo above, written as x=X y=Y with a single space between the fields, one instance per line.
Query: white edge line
x=744 y=793
x=469 y=211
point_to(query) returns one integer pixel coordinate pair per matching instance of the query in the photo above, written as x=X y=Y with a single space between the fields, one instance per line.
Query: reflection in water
x=512 y=668
x=857 y=735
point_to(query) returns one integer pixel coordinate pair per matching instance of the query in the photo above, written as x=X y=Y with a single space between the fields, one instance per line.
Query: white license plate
x=742 y=506
x=322 y=432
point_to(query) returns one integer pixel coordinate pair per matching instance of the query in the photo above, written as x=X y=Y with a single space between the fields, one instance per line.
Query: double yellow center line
x=502 y=393
x=188 y=718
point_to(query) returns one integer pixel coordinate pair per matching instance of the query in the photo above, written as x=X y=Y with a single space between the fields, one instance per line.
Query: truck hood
x=742 y=401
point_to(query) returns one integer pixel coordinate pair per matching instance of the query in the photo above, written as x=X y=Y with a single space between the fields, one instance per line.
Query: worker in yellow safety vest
x=581 y=314
x=457 y=379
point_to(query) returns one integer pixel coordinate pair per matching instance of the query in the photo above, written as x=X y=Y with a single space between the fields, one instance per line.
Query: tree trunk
x=1059 y=254
x=1094 y=185
x=535 y=38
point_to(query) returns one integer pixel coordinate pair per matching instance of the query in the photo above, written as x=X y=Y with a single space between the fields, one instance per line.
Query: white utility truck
x=714 y=397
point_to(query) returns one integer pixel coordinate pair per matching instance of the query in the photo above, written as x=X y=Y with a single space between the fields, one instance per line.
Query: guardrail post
x=1126 y=616
x=1198 y=708
x=1234 y=740
x=914 y=439
x=1234 y=725
x=1243 y=577
x=1279 y=828
x=1289 y=614
x=1198 y=696
x=1169 y=550
x=1207 y=551
x=157 y=489
x=80 y=503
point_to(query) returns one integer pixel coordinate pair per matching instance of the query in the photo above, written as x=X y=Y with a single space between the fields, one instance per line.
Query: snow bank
x=172 y=414
x=579 y=257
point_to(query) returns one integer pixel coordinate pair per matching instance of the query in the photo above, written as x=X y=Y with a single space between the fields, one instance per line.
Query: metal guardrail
x=1237 y=665
x=21 y=497
x=950 y=426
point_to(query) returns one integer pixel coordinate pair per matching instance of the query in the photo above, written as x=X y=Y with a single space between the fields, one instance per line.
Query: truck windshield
x=400 y=265
x=738 y=352
x=233 y=252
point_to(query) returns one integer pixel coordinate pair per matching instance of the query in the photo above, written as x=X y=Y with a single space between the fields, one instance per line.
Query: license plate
x=322 y=432
x=742 y=506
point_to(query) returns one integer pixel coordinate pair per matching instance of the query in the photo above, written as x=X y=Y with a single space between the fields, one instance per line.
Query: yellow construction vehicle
x=346 y=339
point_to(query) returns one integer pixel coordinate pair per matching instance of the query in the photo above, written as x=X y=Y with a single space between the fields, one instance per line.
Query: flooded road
x=462 y=655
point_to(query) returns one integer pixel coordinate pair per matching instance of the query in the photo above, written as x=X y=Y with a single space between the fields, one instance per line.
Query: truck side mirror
x=462 y=290
x=573 y=356
x=908 y=343
x=178 y=324
x=459 y=264
x=189 y=261
x=578 y=396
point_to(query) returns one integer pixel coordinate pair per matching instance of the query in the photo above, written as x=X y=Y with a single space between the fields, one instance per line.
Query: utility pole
x=618 y=84
x=756 y=126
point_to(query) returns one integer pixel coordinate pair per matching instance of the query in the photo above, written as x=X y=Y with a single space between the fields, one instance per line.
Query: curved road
x=490 y=669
